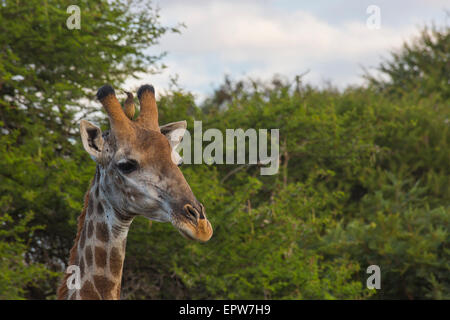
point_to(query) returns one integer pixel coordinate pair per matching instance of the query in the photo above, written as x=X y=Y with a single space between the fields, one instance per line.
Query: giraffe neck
x=100 y=250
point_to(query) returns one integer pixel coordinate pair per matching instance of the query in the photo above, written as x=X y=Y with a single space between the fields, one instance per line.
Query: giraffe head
x=139 y=165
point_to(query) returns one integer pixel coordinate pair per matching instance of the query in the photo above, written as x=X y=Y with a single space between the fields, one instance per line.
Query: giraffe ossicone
x=137 y=174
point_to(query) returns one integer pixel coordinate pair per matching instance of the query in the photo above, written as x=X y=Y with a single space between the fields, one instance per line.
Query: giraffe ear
x=92 y=139
x=174 y=132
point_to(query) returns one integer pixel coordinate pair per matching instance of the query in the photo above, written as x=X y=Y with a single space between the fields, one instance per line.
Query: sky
x=330 y=40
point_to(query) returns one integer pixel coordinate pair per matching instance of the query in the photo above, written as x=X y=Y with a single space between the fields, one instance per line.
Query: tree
x=48 y=76
x=421 y=66
x=363 y=176
x=17 y=272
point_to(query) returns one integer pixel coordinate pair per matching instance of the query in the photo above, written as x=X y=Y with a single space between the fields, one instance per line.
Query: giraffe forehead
x=145 y=146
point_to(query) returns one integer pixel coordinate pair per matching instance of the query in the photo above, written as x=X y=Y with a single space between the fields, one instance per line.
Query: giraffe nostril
x=191 y=213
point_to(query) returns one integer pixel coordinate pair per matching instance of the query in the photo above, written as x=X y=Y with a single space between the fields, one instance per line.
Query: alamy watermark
x=221 y=150
x=74 y=280
x=373 y=22
x=374 y=281
x=74 y=20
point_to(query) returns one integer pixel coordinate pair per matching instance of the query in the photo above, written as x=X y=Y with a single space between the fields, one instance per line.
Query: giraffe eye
x=127 y=166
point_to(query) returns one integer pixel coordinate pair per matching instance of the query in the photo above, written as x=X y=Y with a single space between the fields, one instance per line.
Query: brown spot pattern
x=100 y=209
x=102 y=232
x=82 y=238
x=81 y=265
x=90 y=229
x=88 y=255
x=100 y=257
x=90 y=206
x=88 y=292
x=115 y=262
x=104 y=286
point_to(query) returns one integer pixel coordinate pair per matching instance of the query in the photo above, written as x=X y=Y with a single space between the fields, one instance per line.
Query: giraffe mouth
x=185 y=234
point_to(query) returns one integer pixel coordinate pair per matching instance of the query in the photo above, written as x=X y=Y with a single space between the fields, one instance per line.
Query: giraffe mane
x=63 y=290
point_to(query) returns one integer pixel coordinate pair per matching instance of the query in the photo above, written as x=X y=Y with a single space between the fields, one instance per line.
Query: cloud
x=259 y=39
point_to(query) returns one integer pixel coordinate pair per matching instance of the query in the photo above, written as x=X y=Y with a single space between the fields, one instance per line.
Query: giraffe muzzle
x=197 y=226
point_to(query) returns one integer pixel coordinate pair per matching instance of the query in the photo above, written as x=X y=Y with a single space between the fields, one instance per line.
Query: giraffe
x=136 y=174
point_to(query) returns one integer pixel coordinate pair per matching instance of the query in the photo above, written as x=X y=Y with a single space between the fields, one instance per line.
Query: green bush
x=363 y=175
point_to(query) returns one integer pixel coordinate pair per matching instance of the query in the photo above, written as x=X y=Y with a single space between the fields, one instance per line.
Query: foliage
x=17 y=273
x=420 y=66
x=363 y=175
x=47 y=73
